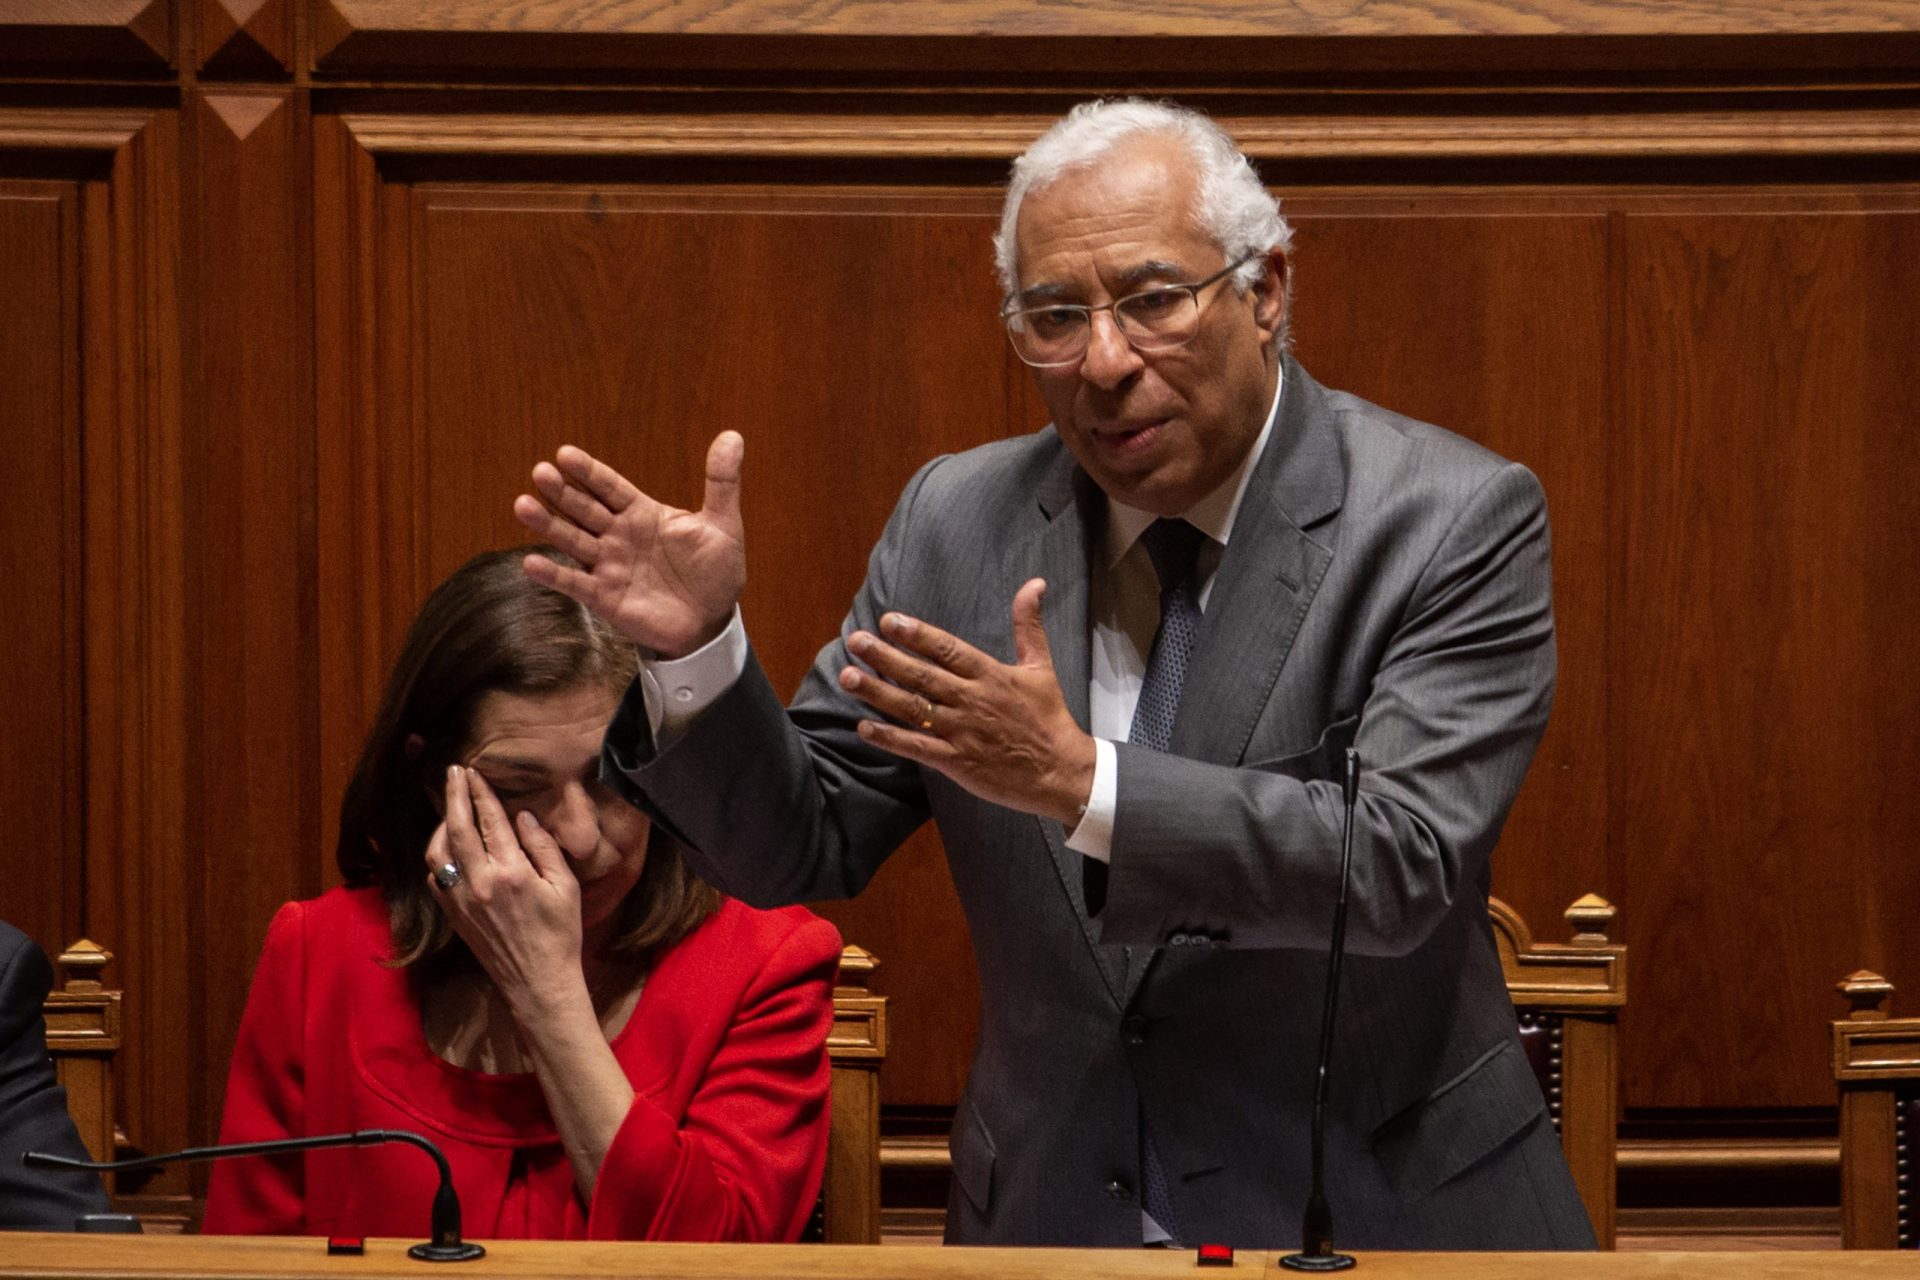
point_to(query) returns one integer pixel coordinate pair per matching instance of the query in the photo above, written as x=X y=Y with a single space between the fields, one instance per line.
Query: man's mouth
x=1123 y=438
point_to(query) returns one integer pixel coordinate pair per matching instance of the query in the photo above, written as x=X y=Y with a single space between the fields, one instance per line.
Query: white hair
x=1231 y=204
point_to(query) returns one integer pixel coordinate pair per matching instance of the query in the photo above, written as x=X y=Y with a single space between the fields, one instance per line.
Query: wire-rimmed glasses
x=1156 y=319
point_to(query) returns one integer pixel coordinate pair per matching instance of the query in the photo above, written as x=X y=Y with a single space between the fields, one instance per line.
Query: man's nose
x=1110 y=358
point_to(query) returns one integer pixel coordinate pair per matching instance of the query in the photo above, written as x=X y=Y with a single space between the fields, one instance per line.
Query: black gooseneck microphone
x=1316 y=1224
x=446 y=1245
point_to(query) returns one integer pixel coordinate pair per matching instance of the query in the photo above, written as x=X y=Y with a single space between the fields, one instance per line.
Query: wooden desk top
x=69 y=1257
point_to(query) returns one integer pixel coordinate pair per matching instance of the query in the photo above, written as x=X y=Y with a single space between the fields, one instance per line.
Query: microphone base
x=465 y=1251
x=1317 y=1261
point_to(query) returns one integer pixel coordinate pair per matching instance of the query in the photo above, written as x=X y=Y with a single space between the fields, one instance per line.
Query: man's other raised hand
x=666 y=579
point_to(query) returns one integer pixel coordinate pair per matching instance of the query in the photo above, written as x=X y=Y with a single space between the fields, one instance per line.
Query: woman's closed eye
x=517 y=792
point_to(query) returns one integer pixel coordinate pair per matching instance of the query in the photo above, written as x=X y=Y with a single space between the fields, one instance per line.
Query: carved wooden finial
x=1590 y=915
x=856 y=967
x=1870 y=995
x=81 y=965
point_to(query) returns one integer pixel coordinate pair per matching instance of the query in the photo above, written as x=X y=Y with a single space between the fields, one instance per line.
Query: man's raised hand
x=665 y=578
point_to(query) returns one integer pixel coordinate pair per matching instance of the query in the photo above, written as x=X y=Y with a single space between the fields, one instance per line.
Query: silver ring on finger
x=447 y=876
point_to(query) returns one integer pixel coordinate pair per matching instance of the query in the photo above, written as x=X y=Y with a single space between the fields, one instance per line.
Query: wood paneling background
x=297 y=290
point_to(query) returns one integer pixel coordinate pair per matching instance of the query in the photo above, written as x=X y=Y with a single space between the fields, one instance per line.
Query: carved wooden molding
x=1096 y=18
x=1887 y=1050
x=1588 y=973
x=859 y=1034
x=1034 y=45
x=70 y=128
x=79 y=32
x=1577 y=136
x=238 y=36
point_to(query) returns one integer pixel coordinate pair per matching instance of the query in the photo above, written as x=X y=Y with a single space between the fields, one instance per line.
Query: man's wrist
x=1076 y=783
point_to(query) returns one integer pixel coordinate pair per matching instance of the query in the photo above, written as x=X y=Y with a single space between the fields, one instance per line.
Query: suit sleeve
x=33 y=1106
x=744 y=1162
x=266 y=1094
x=1457 y=704
x=810 y=811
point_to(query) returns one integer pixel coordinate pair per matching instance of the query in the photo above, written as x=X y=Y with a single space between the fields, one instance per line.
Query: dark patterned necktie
x=1174 y=546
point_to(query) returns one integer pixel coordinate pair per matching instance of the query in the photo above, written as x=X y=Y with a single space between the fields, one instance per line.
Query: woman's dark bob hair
x=488 y=628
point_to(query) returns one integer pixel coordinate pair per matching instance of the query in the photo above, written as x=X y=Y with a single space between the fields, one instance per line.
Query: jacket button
x=1119 y=1190
x=1134 y=1030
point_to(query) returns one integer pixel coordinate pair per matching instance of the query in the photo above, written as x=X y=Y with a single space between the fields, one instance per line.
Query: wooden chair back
x=1569 y=996
x=1876 y=1068
x=849 y=1211
x=83 y=1035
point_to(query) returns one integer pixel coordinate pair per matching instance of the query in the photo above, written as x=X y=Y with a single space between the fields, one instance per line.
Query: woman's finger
x=464 y=843
x=490 y=816
x=542 y=850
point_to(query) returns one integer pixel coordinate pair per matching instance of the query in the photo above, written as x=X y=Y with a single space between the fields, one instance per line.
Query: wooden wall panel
x=139 y=870
x=1765 y=710
x=41 y=786
x=600 y=317
x=250 y=570
x=82 y=35
x=1131 y=41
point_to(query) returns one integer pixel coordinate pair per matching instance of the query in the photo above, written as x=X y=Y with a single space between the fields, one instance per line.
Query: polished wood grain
x=1876 y=1068
x=1764 y=546
x=88 y=130
x=83 y=1038
x=244 y=37
x=140 y=872
x=66 y=1257
x=42 y=561
x=73 y=34
x=250 y=570
x=1579 y=986
x=1097 y=18
x=1532 y=127
x=857 y=1046
x=1113 y=43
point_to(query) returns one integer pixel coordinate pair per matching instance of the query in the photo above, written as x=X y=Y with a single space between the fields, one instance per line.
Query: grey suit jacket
x=1386 y=585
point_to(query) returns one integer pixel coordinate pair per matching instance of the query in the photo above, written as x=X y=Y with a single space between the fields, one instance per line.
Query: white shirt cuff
x=677 y=690
x=1093 y=837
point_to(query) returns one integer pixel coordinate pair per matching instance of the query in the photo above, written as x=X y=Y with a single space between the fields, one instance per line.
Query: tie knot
x=1173 y=545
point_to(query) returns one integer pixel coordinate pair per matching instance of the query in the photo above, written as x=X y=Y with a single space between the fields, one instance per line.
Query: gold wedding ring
x=925 y=714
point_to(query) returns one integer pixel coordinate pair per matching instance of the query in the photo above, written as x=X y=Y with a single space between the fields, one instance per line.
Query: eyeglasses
x=1156 y=319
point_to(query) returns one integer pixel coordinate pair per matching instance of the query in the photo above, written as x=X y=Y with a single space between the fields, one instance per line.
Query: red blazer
x=726 y=1050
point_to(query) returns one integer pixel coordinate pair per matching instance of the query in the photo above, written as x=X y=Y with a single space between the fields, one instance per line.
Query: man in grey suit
x=1117 y=662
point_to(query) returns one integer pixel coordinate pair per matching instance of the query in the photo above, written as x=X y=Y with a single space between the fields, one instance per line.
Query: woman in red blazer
x=518 y=967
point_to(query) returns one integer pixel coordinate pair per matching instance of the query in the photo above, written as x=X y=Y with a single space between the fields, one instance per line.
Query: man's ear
x=1270 y=295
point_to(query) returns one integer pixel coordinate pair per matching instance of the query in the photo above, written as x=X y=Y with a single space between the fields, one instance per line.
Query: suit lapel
x=1266 y=581
x=1060 y=555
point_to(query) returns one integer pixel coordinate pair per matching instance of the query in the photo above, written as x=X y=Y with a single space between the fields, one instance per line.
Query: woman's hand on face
x=517 y=903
